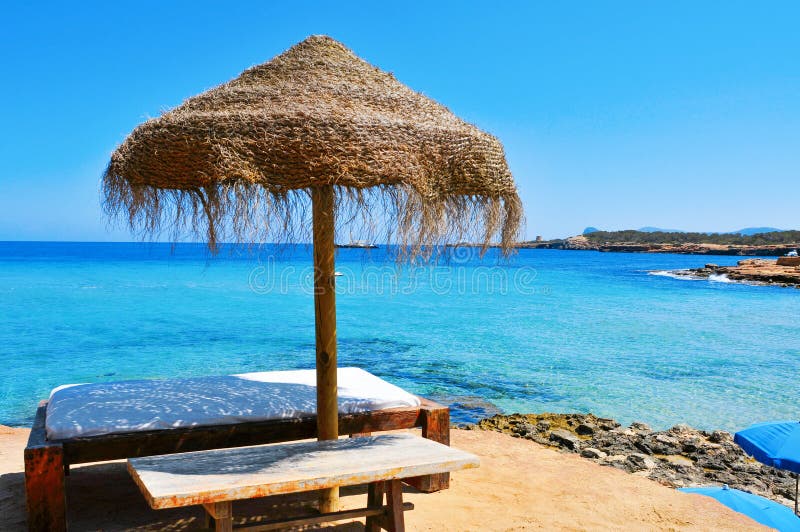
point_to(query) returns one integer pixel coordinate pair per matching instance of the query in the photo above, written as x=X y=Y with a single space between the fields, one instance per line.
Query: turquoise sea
x=550 y=330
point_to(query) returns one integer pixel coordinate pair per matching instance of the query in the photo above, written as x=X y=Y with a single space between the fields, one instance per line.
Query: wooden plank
x=156 y=442
x=230 y=474
x=322 y=211
x=282 y=524
x=44 y=479
x=379 y=421
x=436 y=424
x=38 y=436
x=222 y=513
x=435 y=421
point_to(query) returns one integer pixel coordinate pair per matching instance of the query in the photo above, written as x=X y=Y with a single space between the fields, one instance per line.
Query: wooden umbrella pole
x=322 y=207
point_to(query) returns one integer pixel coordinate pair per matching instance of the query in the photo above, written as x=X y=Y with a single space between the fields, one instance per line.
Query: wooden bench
x=216 y=478
x=47 y=461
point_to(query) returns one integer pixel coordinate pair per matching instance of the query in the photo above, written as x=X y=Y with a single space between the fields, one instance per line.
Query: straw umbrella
x=316 y=124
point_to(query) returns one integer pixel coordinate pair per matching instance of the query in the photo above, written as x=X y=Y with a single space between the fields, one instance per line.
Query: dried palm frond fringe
x=237 y=162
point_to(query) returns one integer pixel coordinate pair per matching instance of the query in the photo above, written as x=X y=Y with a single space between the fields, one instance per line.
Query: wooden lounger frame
x=47 y=461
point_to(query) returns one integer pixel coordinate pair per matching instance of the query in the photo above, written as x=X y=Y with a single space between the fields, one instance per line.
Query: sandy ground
x=519 y=486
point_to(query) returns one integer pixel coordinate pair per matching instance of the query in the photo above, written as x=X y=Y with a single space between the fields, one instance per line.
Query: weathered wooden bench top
x=206 y=477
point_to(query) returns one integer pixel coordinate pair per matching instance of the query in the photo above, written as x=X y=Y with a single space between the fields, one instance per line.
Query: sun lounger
x=110 y=421
x=216 y=478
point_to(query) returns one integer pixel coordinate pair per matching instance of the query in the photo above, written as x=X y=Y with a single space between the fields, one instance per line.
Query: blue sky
x=613 y=114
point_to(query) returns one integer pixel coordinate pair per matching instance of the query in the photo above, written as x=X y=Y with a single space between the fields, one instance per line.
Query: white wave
x=684 y=275
x=720 y=278
x=681 y=275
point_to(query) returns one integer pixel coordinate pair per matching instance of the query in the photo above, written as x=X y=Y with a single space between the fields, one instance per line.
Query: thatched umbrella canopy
x=234 y=162
x=241 y=162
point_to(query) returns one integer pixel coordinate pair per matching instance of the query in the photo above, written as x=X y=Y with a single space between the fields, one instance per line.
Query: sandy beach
x=520 y=485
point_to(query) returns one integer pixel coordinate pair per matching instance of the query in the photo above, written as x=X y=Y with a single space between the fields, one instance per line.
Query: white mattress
x=107 y=408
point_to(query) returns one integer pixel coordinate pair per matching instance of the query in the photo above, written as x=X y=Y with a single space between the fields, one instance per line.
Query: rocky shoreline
x=677 y=457
x=758 y=271
x=582 y=243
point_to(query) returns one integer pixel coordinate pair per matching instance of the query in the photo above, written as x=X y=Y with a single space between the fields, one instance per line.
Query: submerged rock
x=678 y=457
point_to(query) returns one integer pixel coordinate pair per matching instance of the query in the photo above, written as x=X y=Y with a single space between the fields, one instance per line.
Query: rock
x=757 y=271
x=665 y=439
x=585 y=430
x=541 y=440
x=523 y=429
x=711 y=464
x=578 y=242
x=641 y=427
x=591 y=452
x=620 y=461
x=663 y=444
x=564 y=438
x=720 y=436
x=690 y=447
x=723 y=477
x=643 y=447
x=680 y=429
x=543 y=426
x=640 y=462
x=607 y=424
x=616 y=460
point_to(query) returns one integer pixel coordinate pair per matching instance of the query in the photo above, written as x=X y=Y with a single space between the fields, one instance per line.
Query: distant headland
x=747 y=242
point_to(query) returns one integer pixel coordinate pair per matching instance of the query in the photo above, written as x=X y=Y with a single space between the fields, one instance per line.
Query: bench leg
x=208 y=521
x=374 y=500
x=435 y=427
x=44 y=488
x=222 y=513
x=392 y=520
x=394 y=498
